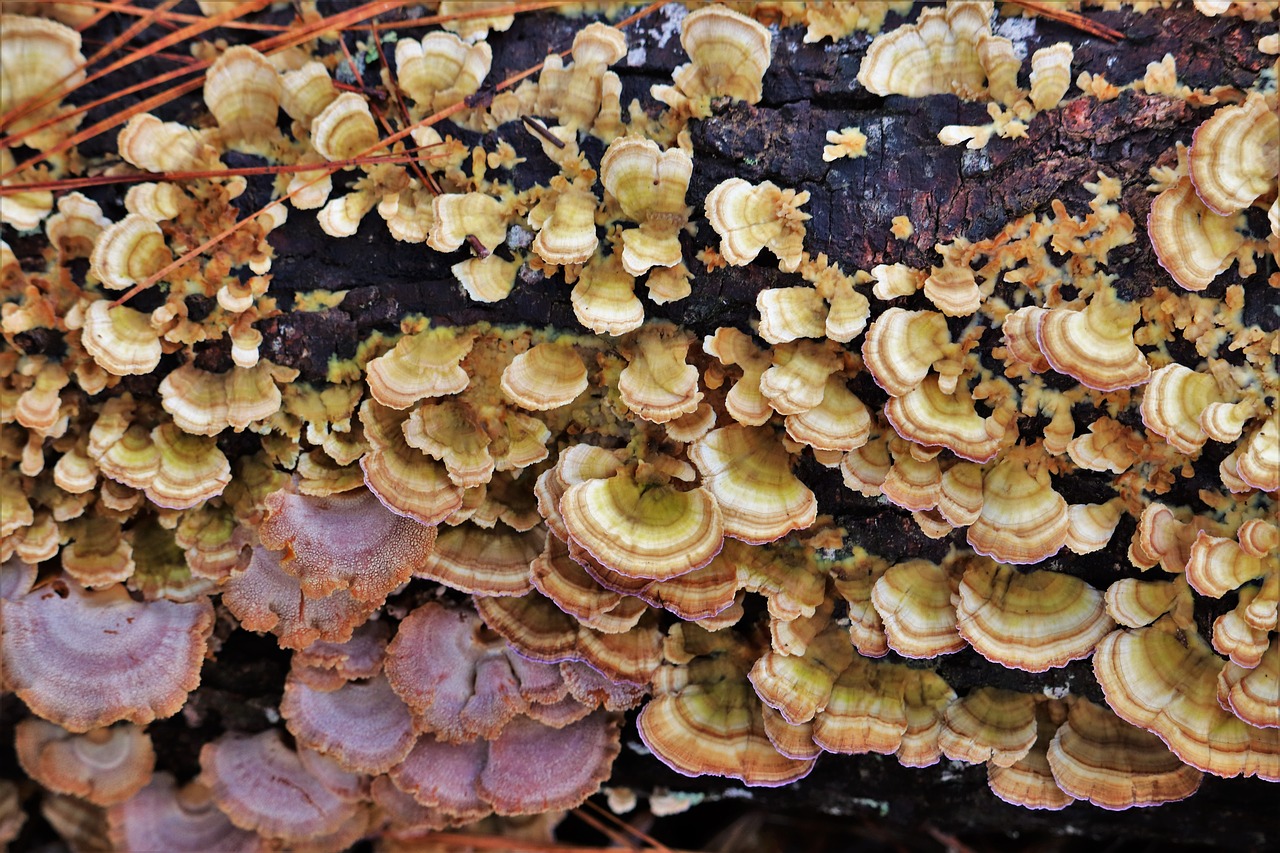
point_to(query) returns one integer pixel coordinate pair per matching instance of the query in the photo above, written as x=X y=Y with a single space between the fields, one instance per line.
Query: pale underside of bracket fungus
x=809 y=456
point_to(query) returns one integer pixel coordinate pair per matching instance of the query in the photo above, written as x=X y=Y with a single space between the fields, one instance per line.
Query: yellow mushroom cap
x=566 y=225
x=38 y=55
x=206 y=403
x=657 y=384
x=1095 y=345
x=901 y=346
x=306 y=91
x=927 y=416
x=456 y=216
x=1192 y=242
x=441 y=69
x=345 y=128
x=128 y=252
x=914 y=603
x=748 y=471
x=649 y=185
x=104 y=766
x=1172 y=404
x=749 y=218
x=1031 y=621
x=867 y=711
x=163 y=146
x=960 y=494
x=1050 y=75
x=427 y=364
x=192 y=469
x=604 y=298
x=639 y=530
x=242 y=90
x=936 y=55
x=1023 y=519
x=1233 y=155
x=1019 y=328
x=546 y=376
x=913 y=484
x=730 y=54
x=989 y=724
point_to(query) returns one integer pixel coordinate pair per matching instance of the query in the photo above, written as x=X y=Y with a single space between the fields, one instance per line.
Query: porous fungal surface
x=781 y=434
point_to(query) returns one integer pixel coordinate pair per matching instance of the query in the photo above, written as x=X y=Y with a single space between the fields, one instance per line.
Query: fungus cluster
x=482 y=544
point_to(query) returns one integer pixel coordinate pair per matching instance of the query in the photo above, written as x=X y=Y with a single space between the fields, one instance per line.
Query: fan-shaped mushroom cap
x=540 y=631
x=206 y=403
x=128 y=251
x=1218 y=565
x=839 y=423
x=604 y=298
x=1097 y=756
x=1192 y=243
x=460 y=680
x=799 y=684
x=306 y=91
x=75 y=227
x=441 y=69
x=1256 y=465
x=546 y=376
x=262 y=785
x=1032 y=621
x=914 y=602
x=657 y=384
x=1023 y=519
x=793 y=741
x=643 y=530
x=191 y=469
x=566 y=225
x=913 y=484
x=39 y=55
x=937 y=55
x=1233 y=155
x=265 y=598
x=1095 y=345
x=798 y=378
x=428 y=364
x=344 y=128
x=902 y=346
x=749 y=218
x=443 y=776
x=1134 y=603
x=1253 y=695
x=574 y=591
x=749 y=472
x=92 y=658
x=407 y=482
x=1029 y=781
x=163 y=146
x=1050 y=75
x=989 y=725
x=345 y=541
x=744 y=401
x=1164 y=678
x=487 y=562
x=121 y=340
x=458 y=216
x=449 y=431
x=649 y=185
x=359 y=657
x=103 y=766
x=730 y=54
x=576 y=464
x=532 y=768
x=242 y=90
x=363 y=725
x=1172 y=404
x=705 y=718
x=163 y=817
x=927 y=416
x=788 y=313
x=866 y=712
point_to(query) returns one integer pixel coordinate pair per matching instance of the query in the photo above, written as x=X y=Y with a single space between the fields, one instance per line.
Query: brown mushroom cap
x=1029 y=781
x=164 y=817
x=1253 y=695
x=1098 y=757
x=1032 y=621
x=1192 y=243
x=1023 y=519
x=705 y=718
x=92 y=658
x=1164 y=678
x=262 y=785
x=344 y=541
x=546 y=376
x=989 y=724
x=486 y=562
x=103 y=766
x=1233 y=155
x=1095 y=345
x=914 y=603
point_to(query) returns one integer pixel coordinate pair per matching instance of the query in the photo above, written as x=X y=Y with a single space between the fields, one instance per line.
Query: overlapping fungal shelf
x=652 y=424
